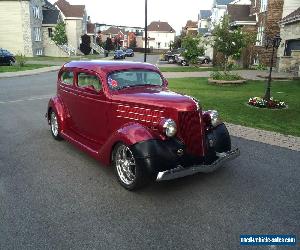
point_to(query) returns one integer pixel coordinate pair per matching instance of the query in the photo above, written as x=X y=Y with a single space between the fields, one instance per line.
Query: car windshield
x=132 y=78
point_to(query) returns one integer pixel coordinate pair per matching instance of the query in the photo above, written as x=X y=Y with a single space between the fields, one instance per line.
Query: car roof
x=109 y=66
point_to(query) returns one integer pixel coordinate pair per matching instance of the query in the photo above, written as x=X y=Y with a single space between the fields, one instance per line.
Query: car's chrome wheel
x=125 y=165
x=54 y=126
x=130 y=173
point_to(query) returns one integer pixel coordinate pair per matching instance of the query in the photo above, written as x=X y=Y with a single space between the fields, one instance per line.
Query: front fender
x=129 y=134
x=56 y=104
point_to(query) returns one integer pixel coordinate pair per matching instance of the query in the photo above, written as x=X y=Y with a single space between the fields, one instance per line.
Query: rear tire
x=205 y=61
x=171 y=60
x=183 y=63
x=129 y=174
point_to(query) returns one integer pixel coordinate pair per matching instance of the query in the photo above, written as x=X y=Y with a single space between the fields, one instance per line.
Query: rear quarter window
x=67 y=77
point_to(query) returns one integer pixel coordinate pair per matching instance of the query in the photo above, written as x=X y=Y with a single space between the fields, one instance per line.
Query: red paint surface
x=96 y=121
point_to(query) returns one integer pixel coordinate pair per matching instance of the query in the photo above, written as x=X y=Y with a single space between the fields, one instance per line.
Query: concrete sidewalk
x=29 y=72
x=247 y=74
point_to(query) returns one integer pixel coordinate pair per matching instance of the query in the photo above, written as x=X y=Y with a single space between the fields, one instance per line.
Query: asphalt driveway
x=54 y=196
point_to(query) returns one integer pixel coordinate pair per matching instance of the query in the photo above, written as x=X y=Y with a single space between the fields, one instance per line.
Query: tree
x=59 y=34
x=229 y=42
x=192 y=47
x=132 y=43
x=108 y=46
x=85 y=46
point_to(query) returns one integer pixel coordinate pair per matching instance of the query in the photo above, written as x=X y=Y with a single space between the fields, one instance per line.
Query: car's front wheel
x=54 y=126
x=171 y=60
x=205 y=61
x=183 y=63
x=129 y=174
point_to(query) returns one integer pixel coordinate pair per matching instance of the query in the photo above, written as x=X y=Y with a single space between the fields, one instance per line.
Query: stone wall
x=288 y=32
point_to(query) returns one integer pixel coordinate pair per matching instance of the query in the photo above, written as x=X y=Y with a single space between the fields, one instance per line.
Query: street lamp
x=274 y=42
x=146 y=33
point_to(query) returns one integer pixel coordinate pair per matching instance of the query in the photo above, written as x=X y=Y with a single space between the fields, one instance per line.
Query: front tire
x=54 y=126
x=183 y=63
x=129 y=174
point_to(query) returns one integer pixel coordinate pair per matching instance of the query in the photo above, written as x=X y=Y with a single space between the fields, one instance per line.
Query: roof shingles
x=70 y=10
x=160 y=26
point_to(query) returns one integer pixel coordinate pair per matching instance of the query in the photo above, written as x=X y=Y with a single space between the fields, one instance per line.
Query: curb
x=29 y=72
x=267 y=137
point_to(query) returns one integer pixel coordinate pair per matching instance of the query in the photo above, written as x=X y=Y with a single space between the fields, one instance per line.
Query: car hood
x=155 y=96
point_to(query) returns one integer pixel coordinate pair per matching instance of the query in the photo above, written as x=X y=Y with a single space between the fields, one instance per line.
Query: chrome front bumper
x=181 y=171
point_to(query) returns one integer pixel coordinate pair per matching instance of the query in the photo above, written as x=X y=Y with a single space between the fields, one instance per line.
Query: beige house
x=160 y=35
x=20 y=26
x=75 y=18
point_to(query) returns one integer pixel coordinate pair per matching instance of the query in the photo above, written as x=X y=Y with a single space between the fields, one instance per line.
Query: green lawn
x=186 y=69
x=231 y=101
x=16 y=68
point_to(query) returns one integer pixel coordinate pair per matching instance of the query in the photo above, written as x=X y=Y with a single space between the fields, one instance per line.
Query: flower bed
x=262 y=103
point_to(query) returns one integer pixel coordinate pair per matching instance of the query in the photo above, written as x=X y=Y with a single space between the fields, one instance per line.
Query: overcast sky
x=132 y=12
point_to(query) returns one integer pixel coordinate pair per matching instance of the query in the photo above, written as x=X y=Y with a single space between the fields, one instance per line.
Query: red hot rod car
x=124 y=115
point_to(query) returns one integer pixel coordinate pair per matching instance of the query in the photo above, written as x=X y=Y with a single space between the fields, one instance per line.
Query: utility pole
x=146 y=33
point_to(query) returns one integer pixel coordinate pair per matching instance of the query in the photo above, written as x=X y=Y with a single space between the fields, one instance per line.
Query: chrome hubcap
x=54 y=124
x=125 y=164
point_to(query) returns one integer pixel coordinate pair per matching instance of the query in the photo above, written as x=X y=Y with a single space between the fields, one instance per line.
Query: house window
x=39 y=52
x=36 y=12
x=263 y=5
x=50 y=32
x=260 y=36
x=37 y=34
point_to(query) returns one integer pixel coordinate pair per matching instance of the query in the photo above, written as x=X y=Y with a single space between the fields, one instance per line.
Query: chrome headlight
x=214 y=117
x=169 y=127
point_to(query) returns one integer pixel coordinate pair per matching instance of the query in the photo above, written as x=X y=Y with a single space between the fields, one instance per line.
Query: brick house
x=268 y=13
x=20 y=26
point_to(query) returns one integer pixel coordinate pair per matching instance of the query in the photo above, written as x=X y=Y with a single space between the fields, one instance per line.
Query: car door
x=66 y=93
x=90 y=118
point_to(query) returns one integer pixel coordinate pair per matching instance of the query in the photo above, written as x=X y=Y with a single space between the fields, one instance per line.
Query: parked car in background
x=179 y=59
x=6 y=57
x=119 y=54
x=171 y=55
x=124 y=115
x=204 y=59
x=129 y=52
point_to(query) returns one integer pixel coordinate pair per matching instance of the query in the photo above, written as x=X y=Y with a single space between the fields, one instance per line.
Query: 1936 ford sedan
x=124 y=115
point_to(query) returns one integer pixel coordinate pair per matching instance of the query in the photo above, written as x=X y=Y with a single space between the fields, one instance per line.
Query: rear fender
x=56 y=104
x=129 y=134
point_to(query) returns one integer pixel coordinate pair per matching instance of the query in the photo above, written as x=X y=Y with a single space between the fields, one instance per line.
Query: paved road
x=53 y=196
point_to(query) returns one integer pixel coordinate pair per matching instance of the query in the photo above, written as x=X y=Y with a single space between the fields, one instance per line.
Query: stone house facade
x=289 y=51
x=20 y=27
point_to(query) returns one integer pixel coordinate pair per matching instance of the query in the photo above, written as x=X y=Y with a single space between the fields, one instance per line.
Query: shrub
x=226 y=76
x=21 y=60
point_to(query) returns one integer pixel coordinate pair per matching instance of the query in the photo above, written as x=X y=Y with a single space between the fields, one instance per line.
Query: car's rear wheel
x=54 y=126
x=205 y=61
x=11 y=62
x=129 y=174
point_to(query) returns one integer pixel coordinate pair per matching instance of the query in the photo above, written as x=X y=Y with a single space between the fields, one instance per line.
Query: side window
x=85 y=80
x=67 y=77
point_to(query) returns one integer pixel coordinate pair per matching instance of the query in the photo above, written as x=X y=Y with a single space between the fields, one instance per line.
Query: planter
x=225 y=82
